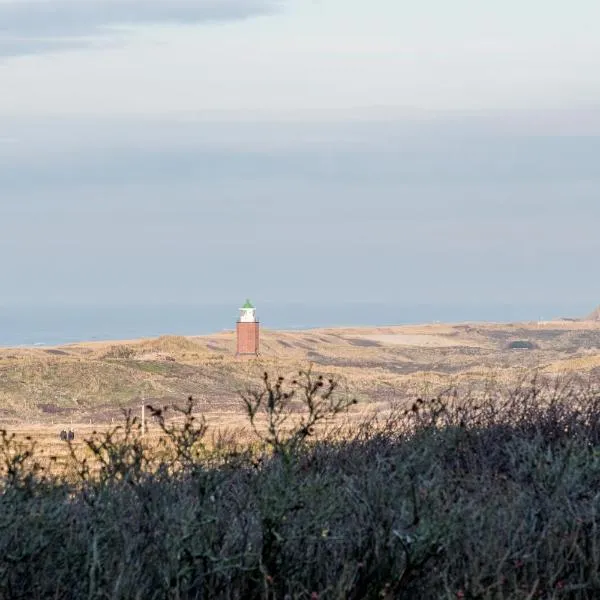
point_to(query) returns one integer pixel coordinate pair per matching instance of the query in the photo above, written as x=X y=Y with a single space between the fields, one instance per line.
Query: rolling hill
x=94 y=381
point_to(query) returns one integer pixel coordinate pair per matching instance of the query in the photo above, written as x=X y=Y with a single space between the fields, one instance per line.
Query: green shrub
x=522 y=345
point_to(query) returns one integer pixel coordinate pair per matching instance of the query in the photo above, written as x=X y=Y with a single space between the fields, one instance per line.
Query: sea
x=49 y=325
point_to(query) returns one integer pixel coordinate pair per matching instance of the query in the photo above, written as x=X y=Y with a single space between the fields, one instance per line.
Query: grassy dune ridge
x=93 y=381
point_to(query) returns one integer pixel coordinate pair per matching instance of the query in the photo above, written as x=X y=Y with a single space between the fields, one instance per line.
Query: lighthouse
x=247 y=331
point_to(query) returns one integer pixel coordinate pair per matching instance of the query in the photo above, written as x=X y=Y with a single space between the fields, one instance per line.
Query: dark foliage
x=473 y=497
x=522 y=345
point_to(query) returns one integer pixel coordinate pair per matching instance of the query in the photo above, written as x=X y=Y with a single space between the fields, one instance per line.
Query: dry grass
x=54 y=454
x=92 y=382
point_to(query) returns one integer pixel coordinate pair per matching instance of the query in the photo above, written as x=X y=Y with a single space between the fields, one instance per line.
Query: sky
x=300 y=151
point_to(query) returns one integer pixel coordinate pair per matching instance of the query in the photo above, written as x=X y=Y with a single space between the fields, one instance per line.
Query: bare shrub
x=489 y=494
x=120 y=352
x=317 y=399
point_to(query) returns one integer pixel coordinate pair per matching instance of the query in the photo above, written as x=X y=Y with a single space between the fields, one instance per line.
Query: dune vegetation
x=91 y=382
x=489 y=494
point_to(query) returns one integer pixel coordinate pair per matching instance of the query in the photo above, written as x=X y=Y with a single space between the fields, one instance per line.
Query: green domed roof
x=248 y=304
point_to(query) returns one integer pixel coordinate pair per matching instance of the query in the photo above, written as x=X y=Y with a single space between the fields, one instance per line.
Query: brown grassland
x=86 y=386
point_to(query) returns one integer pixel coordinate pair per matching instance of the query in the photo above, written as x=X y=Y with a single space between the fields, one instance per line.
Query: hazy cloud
x=382 y=212
x=33 y=26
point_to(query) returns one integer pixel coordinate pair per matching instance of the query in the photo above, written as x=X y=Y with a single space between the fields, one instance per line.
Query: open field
x=86 y=386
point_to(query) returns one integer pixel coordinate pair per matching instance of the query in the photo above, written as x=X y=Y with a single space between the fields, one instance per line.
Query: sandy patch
x=415 y=339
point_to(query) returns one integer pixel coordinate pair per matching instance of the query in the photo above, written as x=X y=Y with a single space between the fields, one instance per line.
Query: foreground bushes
x=483 y=497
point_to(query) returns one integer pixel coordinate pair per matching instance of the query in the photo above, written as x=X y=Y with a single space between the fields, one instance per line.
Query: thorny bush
x=491 y=494
x=319 y=398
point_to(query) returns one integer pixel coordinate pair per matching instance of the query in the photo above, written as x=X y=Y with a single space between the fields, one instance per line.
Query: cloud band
x=32 y=26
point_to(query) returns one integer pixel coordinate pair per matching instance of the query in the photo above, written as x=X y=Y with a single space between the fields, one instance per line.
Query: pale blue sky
x=296 y=54
x=300 y=150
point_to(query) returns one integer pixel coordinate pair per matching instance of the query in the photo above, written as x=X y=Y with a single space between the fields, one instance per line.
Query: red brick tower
x=247 y=331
